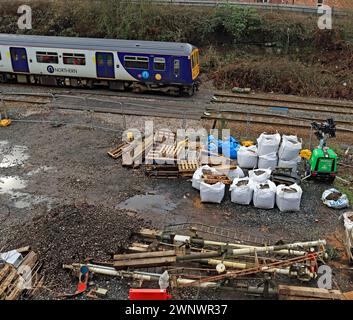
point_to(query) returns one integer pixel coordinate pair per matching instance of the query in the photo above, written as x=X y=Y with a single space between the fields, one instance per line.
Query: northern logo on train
x=50 y=69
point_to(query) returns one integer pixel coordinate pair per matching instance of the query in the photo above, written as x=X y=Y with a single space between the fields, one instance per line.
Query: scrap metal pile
x=19 y=274
x=180 y=257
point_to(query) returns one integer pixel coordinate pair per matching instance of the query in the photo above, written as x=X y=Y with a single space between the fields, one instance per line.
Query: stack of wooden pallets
x=25 y=277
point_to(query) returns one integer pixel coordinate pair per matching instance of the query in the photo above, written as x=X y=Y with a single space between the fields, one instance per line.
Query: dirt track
x=68 y=164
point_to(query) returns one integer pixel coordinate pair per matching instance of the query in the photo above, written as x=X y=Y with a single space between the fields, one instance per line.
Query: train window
x=47 y=57
x=176 y=67
x=193 y=61
x=109 y=60
x=76 y=59
x=136 y=62
x=159 y=64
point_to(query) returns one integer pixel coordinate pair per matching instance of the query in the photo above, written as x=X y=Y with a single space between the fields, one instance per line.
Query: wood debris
x=25 y=278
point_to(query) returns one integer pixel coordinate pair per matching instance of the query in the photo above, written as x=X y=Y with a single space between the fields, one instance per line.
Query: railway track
x=288 y=103
x=266 y=110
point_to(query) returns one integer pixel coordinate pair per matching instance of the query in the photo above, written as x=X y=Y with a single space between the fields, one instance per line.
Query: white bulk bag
x=197 y=176
x=289 y=148
x=264 y=195
x=268 y=161
x=268 y=143
x=247 y=157
x=212 y=192
x=289 y=164
x=260 y=175
x=241 y=190
x=288 y=197
x=236 y=173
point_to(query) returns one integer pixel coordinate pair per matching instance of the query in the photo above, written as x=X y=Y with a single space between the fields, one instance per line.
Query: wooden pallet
x=164 y=154
x=187 y=167
x=164 y=136
x=162 y=171
x=11 y=278
x=136 y=152
x=118 y=151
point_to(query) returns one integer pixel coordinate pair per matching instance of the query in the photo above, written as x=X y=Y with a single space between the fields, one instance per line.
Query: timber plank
x=144 y=255
x=145 y=263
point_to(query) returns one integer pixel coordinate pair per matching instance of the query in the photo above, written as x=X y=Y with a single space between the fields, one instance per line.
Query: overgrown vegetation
x=267 y=51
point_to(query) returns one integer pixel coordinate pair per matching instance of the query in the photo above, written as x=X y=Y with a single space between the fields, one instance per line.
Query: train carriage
x=86 y=62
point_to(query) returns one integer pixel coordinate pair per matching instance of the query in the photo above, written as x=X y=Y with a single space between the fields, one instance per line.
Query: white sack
x=268 y=143
x=340 y=203
x=197 y=176
x=236 y=173
x=260 y=175
x=212 y=192
x=289 y=164
x=289 y=148
x=241 y=194
x=268 y=161
x=247 y=157
x=288 y=197
x=264 y=198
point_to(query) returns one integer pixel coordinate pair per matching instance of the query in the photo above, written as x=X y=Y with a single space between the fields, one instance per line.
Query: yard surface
x=52 y=159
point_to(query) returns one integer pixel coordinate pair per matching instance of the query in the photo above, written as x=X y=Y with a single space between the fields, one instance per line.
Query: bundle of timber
x=19 y=274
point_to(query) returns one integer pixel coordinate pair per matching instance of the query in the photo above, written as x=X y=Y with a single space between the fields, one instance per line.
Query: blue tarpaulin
x=227 y=148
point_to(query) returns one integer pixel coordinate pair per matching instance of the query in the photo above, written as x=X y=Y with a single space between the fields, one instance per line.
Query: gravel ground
x=65 y=168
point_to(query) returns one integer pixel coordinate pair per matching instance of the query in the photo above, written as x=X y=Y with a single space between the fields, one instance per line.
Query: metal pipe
x=203 y=242
x=243 y=265
x=109 y=271
x=296 y=245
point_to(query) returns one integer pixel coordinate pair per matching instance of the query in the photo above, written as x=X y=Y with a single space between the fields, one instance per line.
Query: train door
x=175 y=69
x=19 y=60
x=105 y=65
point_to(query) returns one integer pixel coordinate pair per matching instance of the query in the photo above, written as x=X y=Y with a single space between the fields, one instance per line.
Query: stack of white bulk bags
x=242 y=191
x=247 y=157
x=212 y=192
x=268 y=161
x=267 y=147
x=288 y=198
x=289 y=152
x=264 y=195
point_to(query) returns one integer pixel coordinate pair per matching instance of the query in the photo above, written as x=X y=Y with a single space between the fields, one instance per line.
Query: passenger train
x=169 y=67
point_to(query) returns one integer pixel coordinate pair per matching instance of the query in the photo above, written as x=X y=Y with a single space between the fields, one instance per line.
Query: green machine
x=323 y=160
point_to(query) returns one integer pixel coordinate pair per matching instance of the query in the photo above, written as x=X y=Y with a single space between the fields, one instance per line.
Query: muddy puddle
x=11 y=156
x=12 y=187
x=148 y=203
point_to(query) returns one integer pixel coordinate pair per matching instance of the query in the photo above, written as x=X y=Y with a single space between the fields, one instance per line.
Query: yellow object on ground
x=5 y=122
x=130 y=136
x=247 y=143
x=305 y=154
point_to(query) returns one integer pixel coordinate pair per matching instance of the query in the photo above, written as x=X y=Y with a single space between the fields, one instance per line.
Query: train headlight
x=145 y=74
x=158 y=77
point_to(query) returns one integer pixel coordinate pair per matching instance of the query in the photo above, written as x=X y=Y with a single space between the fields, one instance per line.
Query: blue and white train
x=86 y=62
